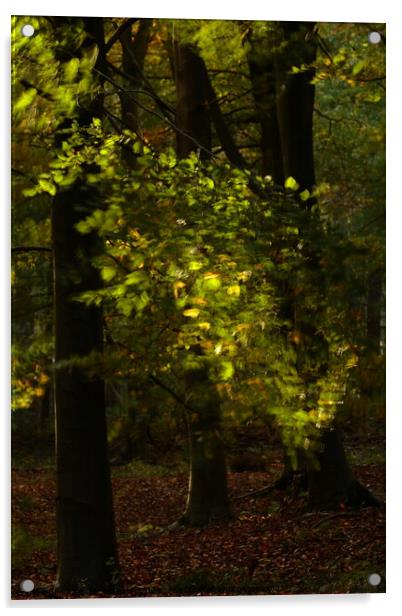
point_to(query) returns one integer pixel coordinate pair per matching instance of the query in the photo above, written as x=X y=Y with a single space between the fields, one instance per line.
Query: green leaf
x=291 y=183
x=211 y=281
x=125 y=306
x=108 y=273
x=71 y=69
x=358 y=67
x=304 y=195
x=226 y=370
x=194 y=265
x=25 y=100
x=47 y=186
x=136 y=278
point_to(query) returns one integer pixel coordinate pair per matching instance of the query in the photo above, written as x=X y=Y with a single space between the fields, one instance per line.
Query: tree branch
x=158 y=382
x=21 y=249
x=155 y=113
x=117 y=34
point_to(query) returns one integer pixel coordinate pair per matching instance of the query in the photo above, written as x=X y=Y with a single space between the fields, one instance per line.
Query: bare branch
x=117 y=34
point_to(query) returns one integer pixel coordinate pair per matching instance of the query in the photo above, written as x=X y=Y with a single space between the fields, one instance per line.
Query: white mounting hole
x=27 y=30
x=27 y=585
x=374 y=37
x=374 y=579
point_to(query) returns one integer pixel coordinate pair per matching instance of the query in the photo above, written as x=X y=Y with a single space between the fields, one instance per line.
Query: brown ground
x=273 y=547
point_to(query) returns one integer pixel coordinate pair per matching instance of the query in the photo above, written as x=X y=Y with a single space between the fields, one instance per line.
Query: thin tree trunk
x=86 y=544
x=222 y=131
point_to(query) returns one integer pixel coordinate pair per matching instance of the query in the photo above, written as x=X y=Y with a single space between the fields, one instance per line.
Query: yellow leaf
x=176 y=288
x=204 y=325
x=191 y=312
x=200 y=301
x=210 y=275
x=207 y=345
x=242 y=326
x=243 y=276
x=234 y=290
x=218 y=348
x=135 y=234
x=195 y=265
x=231 y=349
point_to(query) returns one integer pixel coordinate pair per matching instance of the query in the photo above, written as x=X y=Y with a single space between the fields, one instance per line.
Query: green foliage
x=30 y=372
x=197 y=266
x=193 y=266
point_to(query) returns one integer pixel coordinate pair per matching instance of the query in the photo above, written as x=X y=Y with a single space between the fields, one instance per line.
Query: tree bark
x=208 y=494
x=331 y=482
x=86 y=543
x=133 y=57
x=332 y=485
x=263 y=80
x=295 y=100
x=208 y=499
x=192 y=117
x=223 y=133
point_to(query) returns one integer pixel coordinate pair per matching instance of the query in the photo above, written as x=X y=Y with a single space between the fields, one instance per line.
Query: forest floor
x=273 y=546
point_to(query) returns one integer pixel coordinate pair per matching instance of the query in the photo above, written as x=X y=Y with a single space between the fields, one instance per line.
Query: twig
x=170 y=391
x=338 y=514
x=261 y=491
x=324 y=115
x=155 y=113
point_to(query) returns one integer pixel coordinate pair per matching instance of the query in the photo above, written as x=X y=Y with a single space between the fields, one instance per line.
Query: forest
x=198 y=307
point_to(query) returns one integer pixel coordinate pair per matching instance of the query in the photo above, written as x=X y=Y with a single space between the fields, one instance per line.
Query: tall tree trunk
x=208 y=499
x=333 y=482
x=86 y=544
x=133 y=57
x=262 y=75
x=208 y=493
x=192 y=117
x=295 y=100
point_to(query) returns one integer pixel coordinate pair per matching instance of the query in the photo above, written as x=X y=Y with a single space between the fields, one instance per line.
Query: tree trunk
x=208 y=493
x=208 y=499
x=192 y=117
x=133 y=56
x=295 y=101
x=222 y=131
x=332 y=482
x=333 y=485
x=86 y=544
x=262 y=75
